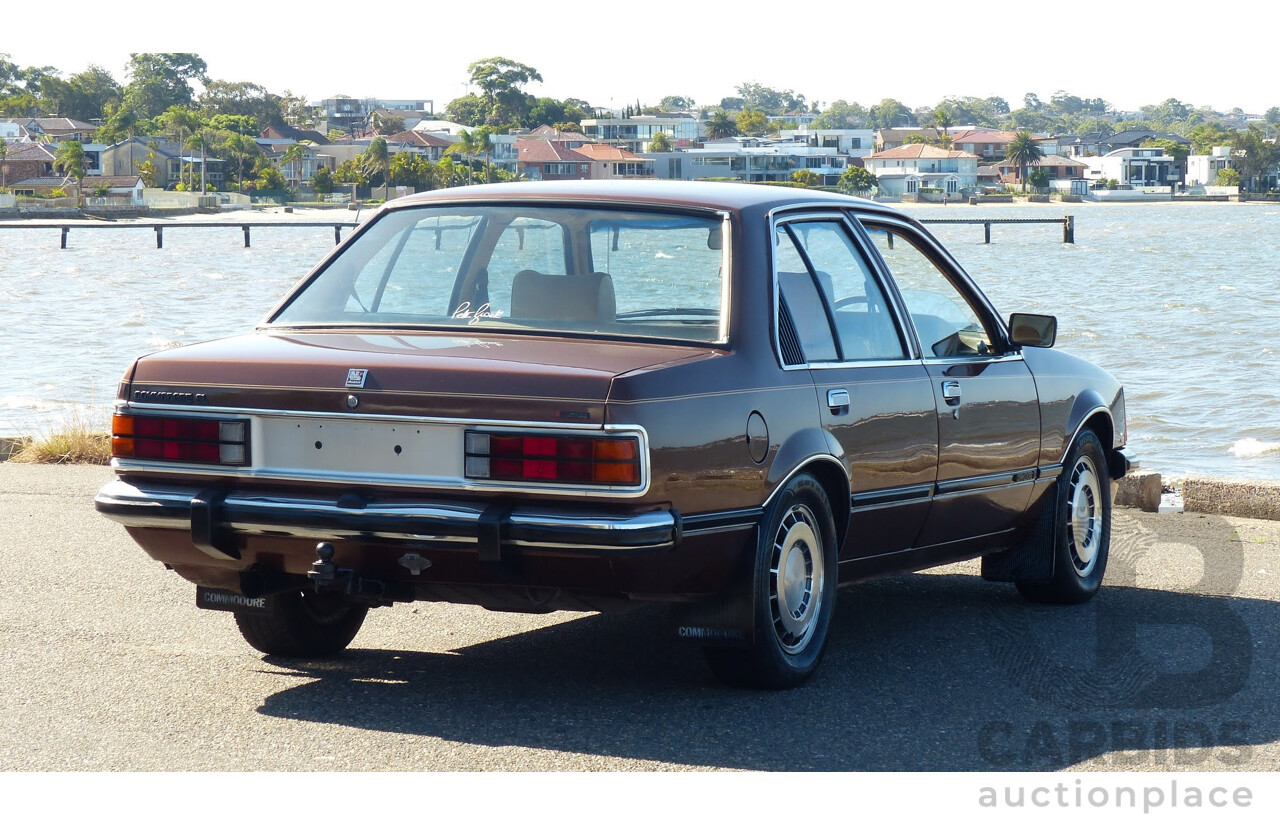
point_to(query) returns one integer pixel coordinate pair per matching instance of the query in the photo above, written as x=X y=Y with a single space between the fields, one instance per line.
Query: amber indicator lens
x=179 y=439
x=608 y=460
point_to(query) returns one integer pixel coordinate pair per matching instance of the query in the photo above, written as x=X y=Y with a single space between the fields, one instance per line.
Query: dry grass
x=76 y=441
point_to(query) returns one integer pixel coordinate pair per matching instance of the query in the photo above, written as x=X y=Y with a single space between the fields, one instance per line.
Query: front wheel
x=1081 y=536
x=304 y=624
x=794 y=592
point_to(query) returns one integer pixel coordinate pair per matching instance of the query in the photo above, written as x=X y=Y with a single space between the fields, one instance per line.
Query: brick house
x=550 y=160
x=614 y=162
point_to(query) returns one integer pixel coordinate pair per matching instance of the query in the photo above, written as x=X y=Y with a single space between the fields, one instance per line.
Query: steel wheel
x=796 y=576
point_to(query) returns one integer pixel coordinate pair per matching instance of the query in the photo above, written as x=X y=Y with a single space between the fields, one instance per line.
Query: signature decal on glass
x=464 y=311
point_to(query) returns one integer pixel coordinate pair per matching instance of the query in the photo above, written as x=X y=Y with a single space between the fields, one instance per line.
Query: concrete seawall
x=1201 y=494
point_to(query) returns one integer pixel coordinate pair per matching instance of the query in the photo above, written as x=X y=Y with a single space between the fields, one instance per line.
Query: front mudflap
x=1031 y=559
x=727 y=620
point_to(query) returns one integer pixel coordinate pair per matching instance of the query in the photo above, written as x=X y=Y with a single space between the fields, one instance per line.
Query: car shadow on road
x=923 y=672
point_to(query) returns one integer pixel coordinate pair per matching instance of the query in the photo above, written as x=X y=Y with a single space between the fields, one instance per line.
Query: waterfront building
x=750 y=159
x=989 y=145
x=614 y=162
x=1140 y=167
x=1202 y=170
x=550 y=160
x=854 y=143
x=907 y=169
x=636 y=133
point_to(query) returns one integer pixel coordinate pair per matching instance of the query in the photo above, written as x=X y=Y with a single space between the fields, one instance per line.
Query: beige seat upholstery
x=563 y=297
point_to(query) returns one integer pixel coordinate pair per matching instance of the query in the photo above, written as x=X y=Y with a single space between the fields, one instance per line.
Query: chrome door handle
x=951 y=393
x=838 y=400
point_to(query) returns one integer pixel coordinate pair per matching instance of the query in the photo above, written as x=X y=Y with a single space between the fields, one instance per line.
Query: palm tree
x=69 y=160
x=469 y=145
x=235 y=143
x=181 y=122
x=1023 y=151
x=296 y=153
x=721 y=126
x=4 y=167
x=377 y=159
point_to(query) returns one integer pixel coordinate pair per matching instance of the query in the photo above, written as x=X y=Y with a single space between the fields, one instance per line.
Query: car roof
x=703 y=194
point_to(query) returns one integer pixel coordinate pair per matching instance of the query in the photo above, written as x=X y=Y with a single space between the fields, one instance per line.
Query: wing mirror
x=1030 y=330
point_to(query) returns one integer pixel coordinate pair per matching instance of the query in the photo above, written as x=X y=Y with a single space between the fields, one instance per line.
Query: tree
x=661 y=142
x=1227 y=177
x=83 y=96
x=4 y=167
x=244 y=124
x=70 y=161
x=160 y=80
x=469 y=145
x=889 y=114
x=323 y=181
x=856 y=179
x=147 y=170
x=1273 y=116
x=721 y=126
x=239 y=146
x=377 y=161
x=468 y=110
x=1172 y=148
x=1255 y=157
x=753 y=122
x=1023 y=151
x=943 y=117
x=1039 y=179
x=224 y=97
x=1205 y=136
x=295 y=153
x=674 y=103
x=806 y=177
x=501 y=83
x=842 y=115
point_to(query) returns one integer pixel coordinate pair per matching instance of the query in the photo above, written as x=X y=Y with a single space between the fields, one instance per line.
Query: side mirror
x=1033 y=330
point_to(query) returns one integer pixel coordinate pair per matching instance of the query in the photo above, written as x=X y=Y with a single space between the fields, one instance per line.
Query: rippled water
x=1181 y=302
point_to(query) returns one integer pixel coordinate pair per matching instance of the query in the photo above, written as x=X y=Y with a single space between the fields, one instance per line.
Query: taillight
x=175 y=438
x=559 y=459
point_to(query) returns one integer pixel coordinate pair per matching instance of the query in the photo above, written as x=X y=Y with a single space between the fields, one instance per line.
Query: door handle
x=951 y=393
x=838 y=401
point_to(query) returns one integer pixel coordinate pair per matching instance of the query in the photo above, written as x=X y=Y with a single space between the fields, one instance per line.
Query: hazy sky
x=615 y=52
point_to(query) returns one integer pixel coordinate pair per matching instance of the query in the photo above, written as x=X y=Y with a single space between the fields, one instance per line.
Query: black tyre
x=1081 y=534
x=304 y=625
x=795 y=592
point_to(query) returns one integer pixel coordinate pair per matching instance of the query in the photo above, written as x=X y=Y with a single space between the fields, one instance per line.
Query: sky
x=613 y=53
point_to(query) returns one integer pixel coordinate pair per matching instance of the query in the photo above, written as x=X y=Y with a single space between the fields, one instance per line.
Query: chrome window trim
x=969 y=289
x=267 y=324
x=386 y=480
x=823 y=211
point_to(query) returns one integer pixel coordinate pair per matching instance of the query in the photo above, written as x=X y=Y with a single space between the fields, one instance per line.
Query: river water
x=1181 y=302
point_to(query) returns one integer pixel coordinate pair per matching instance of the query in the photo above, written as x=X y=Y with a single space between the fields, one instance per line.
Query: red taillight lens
x=185 y=440
x=600 y=460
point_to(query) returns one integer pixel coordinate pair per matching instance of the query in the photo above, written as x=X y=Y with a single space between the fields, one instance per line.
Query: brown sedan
x=532 y=397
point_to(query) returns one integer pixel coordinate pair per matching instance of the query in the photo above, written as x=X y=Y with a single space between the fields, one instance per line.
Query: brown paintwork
x=694 y=401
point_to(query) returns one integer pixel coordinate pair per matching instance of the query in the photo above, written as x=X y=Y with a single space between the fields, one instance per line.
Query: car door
x=987 y=409
x=873 y=396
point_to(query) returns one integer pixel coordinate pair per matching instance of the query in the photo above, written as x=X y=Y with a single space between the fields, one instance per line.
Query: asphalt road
x=107 y=665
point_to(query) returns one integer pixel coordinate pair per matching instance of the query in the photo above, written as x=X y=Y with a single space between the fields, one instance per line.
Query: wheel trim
x=796 y=576
x=1084 y=516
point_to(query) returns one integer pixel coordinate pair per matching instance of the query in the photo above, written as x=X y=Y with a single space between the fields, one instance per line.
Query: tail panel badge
x=356 y=378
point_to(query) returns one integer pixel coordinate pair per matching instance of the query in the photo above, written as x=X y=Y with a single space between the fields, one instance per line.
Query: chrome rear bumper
x=214 y=517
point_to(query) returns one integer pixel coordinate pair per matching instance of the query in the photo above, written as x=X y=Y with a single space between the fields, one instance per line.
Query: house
x=1059 y=168
x=431 y=147
x=46 y=186
x=988 y=144
x=613 y=162
x=752 y=160
x=1090 y=144
x=1134 y=138
x=58 y=129
x=297 y=171
x=171 y=164
x=287 y=132
x=906 y=169
x=636 y=133
x=125 y=190
x=854 y=143
x=550 y=160
x=26 y=160
x=893 y=138
x=1135 y=167
x=1202 y=170
x=442 y=127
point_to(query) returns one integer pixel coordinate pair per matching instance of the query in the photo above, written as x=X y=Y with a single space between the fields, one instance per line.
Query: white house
x=905 y=169
x=635 y=133
x=855 y=143
x=1202 y=170
x=1144 y=166
x=750 y=159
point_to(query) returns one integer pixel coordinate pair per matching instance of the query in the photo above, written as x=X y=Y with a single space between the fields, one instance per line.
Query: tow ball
x=327 y=577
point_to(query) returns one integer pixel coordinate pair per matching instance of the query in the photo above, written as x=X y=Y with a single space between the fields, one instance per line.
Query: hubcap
x=1084 y=516
x=796 y=575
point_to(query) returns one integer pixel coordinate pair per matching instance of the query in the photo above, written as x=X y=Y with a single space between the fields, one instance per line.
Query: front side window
x=836 y=305
x=521 y=268
x=945 y=319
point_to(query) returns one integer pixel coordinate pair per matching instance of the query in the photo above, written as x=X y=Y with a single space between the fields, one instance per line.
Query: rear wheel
x=1081 y=537
x=795 y=592
x=304 y=624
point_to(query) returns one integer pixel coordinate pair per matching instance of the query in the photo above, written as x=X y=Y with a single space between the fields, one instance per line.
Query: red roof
x=920 y=150
x=602 y=151
x=532 y=150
